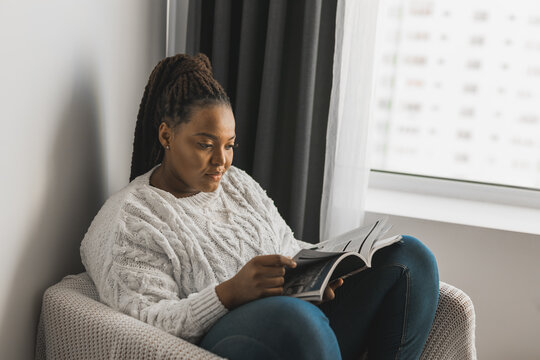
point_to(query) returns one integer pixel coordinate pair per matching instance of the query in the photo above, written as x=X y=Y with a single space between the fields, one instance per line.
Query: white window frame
x=454 y=201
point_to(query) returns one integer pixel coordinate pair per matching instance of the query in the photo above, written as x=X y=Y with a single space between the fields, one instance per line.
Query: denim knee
x=418 y=262
x=237 y=347
x=303 y=324
x=288 y=327
x=419 y=259
x=293 y=310
x=415 y=291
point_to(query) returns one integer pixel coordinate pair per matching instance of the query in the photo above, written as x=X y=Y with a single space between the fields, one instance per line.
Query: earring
x=168 y=147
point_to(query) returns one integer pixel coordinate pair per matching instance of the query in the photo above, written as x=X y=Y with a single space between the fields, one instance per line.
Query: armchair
x=75 y=325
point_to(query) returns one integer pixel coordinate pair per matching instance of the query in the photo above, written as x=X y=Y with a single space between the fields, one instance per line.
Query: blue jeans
x=387 y=310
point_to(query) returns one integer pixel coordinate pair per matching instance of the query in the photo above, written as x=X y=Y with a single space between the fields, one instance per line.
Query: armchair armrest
x=452 y=335
x=75 y=325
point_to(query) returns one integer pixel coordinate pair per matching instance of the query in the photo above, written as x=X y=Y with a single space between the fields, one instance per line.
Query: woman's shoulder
x=107 y=218
x=124 y=215
x=134 y=200
x=135 y=203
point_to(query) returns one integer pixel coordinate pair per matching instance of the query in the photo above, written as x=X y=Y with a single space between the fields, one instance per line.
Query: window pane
x=457 y=90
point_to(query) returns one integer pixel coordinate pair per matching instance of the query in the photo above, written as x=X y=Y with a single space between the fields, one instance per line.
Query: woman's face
x=201 y=150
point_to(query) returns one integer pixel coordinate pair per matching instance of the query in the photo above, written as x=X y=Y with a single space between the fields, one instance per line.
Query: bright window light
x=457 y=90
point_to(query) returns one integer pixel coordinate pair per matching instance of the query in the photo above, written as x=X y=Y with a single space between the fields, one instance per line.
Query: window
x=457 y=90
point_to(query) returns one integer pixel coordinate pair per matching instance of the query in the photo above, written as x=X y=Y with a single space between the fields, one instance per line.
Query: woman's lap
x=388 y=308
x=277 y=327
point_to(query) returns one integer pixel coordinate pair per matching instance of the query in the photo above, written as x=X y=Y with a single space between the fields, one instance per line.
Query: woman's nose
x=218 y=157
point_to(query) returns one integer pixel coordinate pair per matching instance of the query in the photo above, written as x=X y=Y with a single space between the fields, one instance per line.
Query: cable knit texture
x=159 y=258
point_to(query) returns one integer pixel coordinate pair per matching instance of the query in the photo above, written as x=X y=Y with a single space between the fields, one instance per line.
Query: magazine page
x=365 y=245
x=366 y=240
x=379 y=244
x=351 y=240
x=367 y=252
x=308 y=281
x=349 y=265
x=307 y=256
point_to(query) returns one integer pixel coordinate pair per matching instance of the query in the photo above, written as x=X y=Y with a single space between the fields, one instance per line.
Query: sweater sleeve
x=141 y=283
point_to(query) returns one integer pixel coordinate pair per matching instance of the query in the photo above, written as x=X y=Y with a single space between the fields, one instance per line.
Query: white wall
x=499 y=270
x=72 y=74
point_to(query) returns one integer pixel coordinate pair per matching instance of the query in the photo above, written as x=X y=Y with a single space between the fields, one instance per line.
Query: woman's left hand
x=329 y=291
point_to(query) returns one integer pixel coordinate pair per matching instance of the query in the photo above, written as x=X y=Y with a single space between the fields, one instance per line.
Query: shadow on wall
x=74 y=194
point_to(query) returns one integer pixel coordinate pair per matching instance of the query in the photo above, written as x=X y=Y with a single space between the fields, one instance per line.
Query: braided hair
x=176 y=86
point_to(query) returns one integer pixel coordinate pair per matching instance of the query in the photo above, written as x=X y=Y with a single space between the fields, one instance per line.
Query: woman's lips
x=215 y=177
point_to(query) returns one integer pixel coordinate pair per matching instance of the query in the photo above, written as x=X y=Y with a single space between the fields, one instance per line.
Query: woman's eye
x=205 y=146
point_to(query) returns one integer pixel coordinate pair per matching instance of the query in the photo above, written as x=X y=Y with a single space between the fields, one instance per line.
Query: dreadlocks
x=176 y=86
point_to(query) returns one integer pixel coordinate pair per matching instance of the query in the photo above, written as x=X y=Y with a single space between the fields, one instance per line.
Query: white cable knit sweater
x=159 y=258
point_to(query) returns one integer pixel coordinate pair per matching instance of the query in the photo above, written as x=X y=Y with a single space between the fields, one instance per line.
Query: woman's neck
x=165 y=180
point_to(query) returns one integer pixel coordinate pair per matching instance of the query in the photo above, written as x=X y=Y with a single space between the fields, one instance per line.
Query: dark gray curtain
x=275 y=60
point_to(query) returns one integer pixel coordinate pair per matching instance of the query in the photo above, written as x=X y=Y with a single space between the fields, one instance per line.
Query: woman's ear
x=164 y=134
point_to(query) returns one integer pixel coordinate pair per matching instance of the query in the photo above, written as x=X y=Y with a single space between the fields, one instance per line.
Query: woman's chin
x=210 y=187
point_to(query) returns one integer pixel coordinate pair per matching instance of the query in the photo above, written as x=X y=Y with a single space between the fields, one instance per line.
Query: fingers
x=271 y=282
x=275 y=260
x=273 y=271
x=271 y=287
x=262 y=276
x=272 y=292
x=336 y=283
x=329 y=294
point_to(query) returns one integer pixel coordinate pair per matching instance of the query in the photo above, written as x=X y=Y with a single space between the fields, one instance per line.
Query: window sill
x=454 y=210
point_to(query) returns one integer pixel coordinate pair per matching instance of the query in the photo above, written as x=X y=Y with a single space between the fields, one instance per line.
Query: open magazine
x=339 y=257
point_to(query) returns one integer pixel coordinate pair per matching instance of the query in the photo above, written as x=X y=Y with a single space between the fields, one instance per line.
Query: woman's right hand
x=262 y=276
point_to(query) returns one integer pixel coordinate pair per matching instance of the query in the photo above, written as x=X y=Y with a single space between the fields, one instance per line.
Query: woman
x=195 y=247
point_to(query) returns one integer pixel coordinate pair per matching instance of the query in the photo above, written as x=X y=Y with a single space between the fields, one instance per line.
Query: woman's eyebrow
x=210 y=135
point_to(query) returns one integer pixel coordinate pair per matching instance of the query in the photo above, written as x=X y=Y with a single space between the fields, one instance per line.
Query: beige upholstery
x=75 y=325
x=453 y=330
